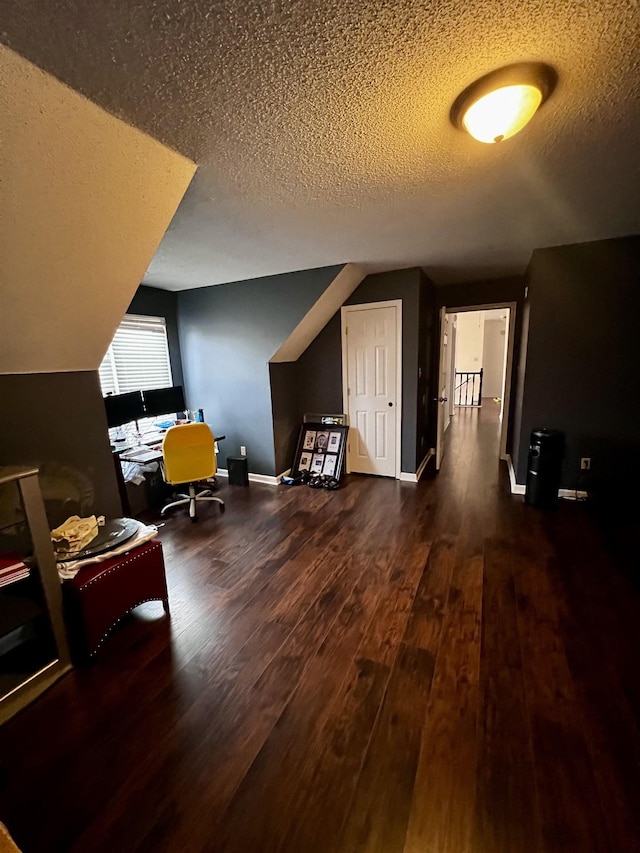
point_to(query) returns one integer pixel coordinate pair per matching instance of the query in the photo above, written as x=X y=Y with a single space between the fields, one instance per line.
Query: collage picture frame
x=321 y=449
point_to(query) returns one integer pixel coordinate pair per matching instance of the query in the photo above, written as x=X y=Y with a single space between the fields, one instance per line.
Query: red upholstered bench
x=100 y=595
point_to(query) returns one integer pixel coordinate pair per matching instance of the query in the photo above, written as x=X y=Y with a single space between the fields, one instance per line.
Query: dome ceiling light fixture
x=499 y=104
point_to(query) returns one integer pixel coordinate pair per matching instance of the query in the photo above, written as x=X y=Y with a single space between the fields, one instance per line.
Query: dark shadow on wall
x=57 y=423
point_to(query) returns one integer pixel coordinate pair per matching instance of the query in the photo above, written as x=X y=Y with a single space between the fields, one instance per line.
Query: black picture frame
x=321 y=449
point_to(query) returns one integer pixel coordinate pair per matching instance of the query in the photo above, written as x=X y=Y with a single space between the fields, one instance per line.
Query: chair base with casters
x=192 y=499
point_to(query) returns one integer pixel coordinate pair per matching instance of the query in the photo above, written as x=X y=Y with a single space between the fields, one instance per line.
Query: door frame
x=442 y=317
x=363 y=306
x=506 y=397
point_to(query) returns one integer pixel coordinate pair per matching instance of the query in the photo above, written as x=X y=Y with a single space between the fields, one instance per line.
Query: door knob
x=390 y=405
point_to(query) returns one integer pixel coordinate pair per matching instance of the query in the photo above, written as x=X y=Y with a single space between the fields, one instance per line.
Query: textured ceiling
x=322 y=133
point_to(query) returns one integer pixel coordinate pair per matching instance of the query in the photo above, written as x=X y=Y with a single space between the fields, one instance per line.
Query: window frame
x=116 y=377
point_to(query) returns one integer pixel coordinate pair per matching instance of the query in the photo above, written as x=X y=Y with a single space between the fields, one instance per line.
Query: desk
x=148 y=449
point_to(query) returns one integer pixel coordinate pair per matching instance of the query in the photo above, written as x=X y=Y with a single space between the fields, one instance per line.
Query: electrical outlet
x=585 y=463
x=243 y=450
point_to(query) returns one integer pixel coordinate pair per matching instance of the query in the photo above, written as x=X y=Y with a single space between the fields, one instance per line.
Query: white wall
x=480 y=343
x=493 y=357
x=469 y=340
x=84 y=202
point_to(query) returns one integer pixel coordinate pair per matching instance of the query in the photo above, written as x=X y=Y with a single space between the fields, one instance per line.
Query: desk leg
x=122 y=489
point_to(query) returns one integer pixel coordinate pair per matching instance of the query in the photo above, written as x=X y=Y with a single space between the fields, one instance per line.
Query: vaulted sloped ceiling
x=322 y=129
x=84 y=202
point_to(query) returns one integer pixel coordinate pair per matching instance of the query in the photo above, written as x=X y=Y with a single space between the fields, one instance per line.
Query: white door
x=442 y=385
x=371 y=340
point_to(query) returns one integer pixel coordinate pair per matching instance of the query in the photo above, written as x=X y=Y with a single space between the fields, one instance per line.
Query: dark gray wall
x=311 y=384
x=488 y=292
x=228 y=333
x=152 y=302
x=285 y=406
x=521 y=357
x=583 y=351
x=485 y=292
x=320 y=371
x=320 y=366
x=429 y=340
x=57 y=422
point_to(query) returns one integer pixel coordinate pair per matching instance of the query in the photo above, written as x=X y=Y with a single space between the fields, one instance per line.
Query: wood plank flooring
x=430 y=668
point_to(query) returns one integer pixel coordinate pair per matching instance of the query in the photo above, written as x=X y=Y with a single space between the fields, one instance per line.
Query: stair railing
x=468 y=388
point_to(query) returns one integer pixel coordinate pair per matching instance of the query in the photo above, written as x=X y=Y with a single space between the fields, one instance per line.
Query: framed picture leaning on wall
x=321 y=449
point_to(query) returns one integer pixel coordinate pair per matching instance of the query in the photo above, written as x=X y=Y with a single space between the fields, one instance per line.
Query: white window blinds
x=138 y=357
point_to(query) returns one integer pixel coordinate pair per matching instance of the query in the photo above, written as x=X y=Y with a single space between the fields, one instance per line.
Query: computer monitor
x=164 y=401
x=123 y=408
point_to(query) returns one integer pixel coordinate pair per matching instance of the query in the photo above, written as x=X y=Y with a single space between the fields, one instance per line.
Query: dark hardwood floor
x=431 y=668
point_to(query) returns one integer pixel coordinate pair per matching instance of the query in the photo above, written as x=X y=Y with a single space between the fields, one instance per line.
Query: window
x=138 y=357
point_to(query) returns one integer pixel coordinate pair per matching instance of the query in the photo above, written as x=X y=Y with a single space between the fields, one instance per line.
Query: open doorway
x=476 y=360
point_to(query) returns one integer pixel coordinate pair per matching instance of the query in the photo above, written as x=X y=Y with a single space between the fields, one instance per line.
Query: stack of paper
x=12 y=570
x=141 y=455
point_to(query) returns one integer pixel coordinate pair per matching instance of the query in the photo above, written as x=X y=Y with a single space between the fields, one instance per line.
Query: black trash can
x=546 y=449
x=238 y=470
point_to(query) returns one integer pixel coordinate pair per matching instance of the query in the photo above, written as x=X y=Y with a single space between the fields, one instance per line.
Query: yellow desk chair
x=188 y=456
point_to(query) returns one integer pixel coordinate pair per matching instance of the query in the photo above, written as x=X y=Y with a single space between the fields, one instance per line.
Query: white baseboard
x=406 y=477
x=518 y=489
x=265 y=479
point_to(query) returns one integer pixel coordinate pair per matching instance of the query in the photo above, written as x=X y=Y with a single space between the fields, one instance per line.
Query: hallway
x=430 y=668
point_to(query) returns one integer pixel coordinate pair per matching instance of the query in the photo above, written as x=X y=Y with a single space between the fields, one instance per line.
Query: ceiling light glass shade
x=502 y=113
x=501 y=103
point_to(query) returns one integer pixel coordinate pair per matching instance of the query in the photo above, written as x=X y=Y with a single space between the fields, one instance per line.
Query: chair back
x=188 y=453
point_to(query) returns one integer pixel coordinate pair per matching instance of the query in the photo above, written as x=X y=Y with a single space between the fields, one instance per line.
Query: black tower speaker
x=546 y=449
x=238 y=470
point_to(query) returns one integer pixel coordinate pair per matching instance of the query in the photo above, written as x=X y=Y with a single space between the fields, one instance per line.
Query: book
x=12 y=569
x=9 y=563
x=5 y=580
